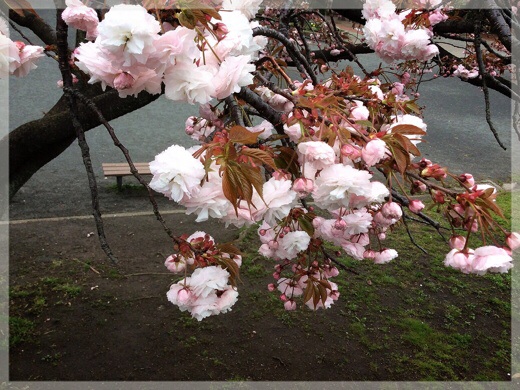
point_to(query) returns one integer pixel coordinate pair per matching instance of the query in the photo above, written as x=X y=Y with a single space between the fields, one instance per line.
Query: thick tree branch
x=36 y=24
x=34 y=144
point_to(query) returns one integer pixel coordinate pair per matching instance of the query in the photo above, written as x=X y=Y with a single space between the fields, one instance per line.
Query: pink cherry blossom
x=279 y=198
x=385 y=256
x=175 y=263
x=491 y=258
x=128 y=31
x=336 y=182
x=295 y=242
x=265 y=128
x=81 y=17
x=234 y=72
x=189 y=83
x=373 y=152
x=315 y=155
x=461 y=260
x=26 y=60
x=248 y=8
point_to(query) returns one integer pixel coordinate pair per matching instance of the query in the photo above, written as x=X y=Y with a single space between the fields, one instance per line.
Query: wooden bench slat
x=123 y=169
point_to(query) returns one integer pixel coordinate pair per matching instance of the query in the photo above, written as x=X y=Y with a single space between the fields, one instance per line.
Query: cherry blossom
x=176 y=173
x=81 y=17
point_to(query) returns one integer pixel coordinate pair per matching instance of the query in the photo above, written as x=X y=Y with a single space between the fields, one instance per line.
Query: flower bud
x=457 y=242
x=350 y=151
x=513 y=240
x=290 y=305
x=391 y=210
x=416 y=206
x=123 y=80
x=467 y=179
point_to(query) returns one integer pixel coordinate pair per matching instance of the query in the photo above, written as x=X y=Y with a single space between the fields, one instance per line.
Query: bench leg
x=119 y=183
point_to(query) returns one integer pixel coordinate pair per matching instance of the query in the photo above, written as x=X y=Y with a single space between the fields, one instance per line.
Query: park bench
x=123 y=169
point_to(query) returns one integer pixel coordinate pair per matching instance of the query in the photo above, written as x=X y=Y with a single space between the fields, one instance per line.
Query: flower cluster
x=206 y=292
x=392 y=38
x=196 y=65
x=308 y=140
x=16 y=58
x=81 y=17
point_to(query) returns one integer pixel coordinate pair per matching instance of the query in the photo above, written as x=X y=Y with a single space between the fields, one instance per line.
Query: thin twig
x=299 y=60
x=90 y=104
x=412 y=239
x=63 y=57
x=335 y=261
x=482 y=71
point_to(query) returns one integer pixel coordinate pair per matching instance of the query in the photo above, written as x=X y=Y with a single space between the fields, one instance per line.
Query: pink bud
x=271 y=287
x=416 y=206
x=283 y=297
x=332 y=272
x=220 y=30
x=273 y=244
x=276 y=275
x=340 y=224
x=290 y=305
x=303 y=186
x=438 y=197
x=123 y=81
x=350 y=151
x=467 y=179
x=262 y=232
x=418 y=186
x=513 y=240
x=457 y=242
x=391 y=210
x=183 y=295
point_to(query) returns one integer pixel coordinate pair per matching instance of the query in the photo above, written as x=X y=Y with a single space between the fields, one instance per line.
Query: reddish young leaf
x=406 y=144
x=261 y=156
x=240 y=135
x=408 y=129
x=309 y=291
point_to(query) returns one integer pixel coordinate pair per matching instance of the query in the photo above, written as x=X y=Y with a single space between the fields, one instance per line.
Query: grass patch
x=20 y=330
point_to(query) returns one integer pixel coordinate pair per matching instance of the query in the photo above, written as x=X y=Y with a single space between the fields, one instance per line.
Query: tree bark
x=34 y=144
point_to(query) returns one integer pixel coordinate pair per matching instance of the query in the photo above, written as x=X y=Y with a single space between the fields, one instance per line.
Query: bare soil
x=78 y=317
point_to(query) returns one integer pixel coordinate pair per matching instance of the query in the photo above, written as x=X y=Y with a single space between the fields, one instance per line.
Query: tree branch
x=63 y=58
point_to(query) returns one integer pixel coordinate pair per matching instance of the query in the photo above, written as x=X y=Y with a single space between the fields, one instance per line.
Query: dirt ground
x=75 y=316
